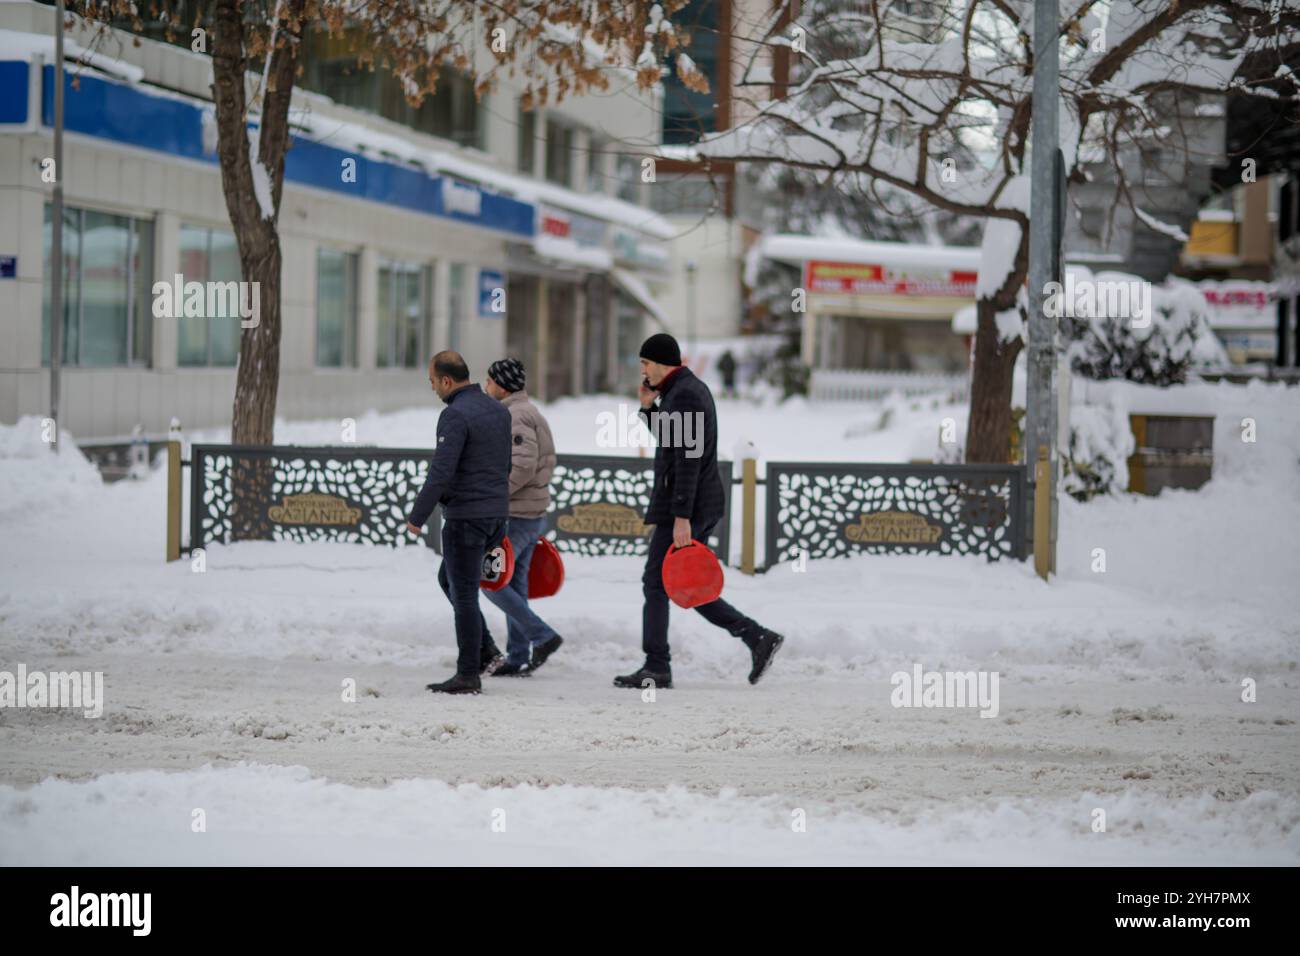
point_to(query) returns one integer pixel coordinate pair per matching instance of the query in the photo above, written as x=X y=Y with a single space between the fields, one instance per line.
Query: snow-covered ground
x=1119 y=691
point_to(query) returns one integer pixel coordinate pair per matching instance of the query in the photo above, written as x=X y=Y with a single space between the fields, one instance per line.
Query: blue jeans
x=464 y=542
x=523 y=627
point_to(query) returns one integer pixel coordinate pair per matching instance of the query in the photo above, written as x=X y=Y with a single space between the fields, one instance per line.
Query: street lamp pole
x=1044 y=267
x=56 y=235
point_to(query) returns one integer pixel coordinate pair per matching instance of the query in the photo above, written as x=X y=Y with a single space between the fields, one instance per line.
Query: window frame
x=349 y=358
x=526 y=142
x=397 y=266
x=134 y=323
x=570 y=132
x=208 y=230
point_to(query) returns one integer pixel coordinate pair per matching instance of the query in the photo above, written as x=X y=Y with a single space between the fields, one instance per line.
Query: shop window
x=403 y=308
x=208 y=255
x=107 y=288
x=336 y=309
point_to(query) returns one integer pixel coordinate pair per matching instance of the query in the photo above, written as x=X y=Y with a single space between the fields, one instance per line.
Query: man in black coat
x=686 y=502
x=470 y=477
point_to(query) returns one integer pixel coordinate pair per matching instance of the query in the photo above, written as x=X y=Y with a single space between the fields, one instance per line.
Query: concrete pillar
x=614 y=327
x=539 y=145
x=578 y=161
x=440 y=332
x=578 y=372
x=367 y=308
x=166 y=263
x=543 y=335
x=808 y=348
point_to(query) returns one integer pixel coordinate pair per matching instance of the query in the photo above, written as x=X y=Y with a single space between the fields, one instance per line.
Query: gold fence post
x=749 y=504
x=173 y=500
x=1042 y=514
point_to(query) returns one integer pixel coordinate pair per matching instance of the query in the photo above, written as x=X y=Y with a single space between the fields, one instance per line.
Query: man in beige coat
x=530 y=640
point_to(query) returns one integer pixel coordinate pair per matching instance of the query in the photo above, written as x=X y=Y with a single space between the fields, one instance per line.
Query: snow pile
x=267 y=815
x=38 y=481
x=1256 y=427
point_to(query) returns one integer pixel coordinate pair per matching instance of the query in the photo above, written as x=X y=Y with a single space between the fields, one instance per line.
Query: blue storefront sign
x=125 y=114
x=8 y=267
x=491 y=294
x=13 y=92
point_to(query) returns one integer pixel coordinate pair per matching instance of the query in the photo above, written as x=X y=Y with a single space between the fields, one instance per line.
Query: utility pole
x=1044 y=267
x=56 y=234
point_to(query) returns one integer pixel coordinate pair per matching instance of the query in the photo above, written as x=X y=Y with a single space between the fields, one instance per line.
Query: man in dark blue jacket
x=470 y=477
x=686 y=502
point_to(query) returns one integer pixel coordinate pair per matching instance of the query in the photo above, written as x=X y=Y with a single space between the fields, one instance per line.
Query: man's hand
x=682 y=532
x=645 y=395
x=412 y=528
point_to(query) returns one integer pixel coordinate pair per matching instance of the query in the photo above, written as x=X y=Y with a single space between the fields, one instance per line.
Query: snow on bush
x=1100 y=443
x=1158 y=348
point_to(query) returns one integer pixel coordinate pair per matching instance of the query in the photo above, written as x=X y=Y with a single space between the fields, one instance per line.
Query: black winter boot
x=490 y=659
x=513 y=670
x=457 y=685
x=544 y=650
x=635 y=681
x=762 y=652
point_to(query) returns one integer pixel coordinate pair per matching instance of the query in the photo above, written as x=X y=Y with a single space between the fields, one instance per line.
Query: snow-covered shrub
x=1101 y=442
x=1157 y=349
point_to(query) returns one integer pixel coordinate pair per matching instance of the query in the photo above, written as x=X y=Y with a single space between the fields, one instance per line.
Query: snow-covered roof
x=17 y=45
x=568 y=251
x=898 y=255
x=367 y=140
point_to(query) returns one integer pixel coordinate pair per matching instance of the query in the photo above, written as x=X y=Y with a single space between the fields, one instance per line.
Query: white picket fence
x=857 y=385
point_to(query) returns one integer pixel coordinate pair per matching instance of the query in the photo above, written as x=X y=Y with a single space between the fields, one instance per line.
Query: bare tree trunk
x=256 y=229
x=988 y=430
x=257 y=381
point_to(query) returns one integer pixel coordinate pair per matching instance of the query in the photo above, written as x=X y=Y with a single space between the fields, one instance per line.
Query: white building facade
x=470 y=225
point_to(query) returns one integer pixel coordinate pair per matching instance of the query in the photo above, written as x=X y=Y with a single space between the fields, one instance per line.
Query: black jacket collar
x=462 y=390
x=682 y=373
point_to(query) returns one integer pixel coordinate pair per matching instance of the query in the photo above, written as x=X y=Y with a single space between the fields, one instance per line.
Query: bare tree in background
x=934 y=106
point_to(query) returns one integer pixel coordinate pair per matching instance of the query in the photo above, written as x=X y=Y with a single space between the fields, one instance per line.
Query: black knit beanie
x=508 y=373
x=662 y=348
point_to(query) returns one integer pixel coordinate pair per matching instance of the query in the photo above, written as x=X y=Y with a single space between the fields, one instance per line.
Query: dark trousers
x=464 y=542
x=654 y=615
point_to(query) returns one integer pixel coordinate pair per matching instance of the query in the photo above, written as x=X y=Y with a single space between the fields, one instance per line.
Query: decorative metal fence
x=598 y=501
x=834 y=510
x=357 y=494
x=363 y=494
